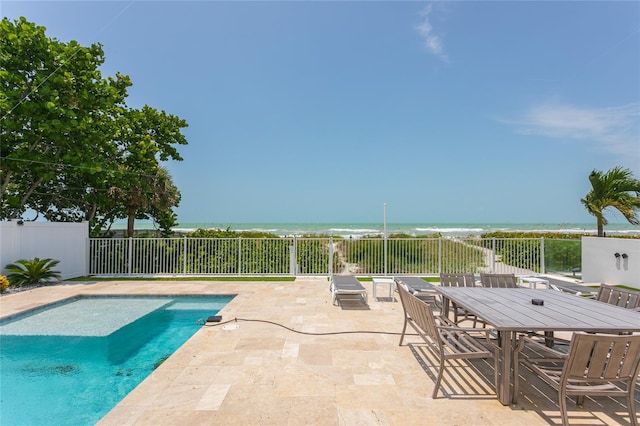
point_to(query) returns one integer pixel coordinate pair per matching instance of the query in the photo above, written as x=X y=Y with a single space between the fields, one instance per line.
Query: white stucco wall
x=600 y=264
x=66 y=242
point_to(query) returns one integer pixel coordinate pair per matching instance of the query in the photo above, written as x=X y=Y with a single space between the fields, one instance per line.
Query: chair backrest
x=498 y=280
x=457 y=280
x=620 y=297
x=418 y=313
x=602 y=357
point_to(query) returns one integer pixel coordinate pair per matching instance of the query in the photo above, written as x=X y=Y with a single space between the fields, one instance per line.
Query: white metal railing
x=313 y=256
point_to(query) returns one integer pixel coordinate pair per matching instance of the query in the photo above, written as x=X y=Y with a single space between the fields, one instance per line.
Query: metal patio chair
x=498 y=280
x=459 y=280
x=619 y=297
x=596 y=365
x=452 y=342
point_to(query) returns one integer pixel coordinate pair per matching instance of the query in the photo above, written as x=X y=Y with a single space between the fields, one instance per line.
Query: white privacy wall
x=66 y=242
x=601 y=265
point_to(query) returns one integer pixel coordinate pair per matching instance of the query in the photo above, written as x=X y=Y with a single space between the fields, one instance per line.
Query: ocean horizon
x=362 y=229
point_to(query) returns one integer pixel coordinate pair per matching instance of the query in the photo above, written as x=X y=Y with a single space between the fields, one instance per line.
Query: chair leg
x=404 y=329
x=580 y=400
x=563 y=408
x=438 y=380
x=495 y=371
x=631 y=403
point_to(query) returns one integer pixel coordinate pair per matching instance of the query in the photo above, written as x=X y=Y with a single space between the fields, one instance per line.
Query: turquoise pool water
x=70 y=363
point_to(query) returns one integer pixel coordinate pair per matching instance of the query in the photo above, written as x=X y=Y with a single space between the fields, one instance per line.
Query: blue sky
x=324 y=111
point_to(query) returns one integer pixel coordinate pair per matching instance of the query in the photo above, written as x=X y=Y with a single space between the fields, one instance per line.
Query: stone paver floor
x=346 y=370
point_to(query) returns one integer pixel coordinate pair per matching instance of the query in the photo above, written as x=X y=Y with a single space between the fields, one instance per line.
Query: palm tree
x=616 y=188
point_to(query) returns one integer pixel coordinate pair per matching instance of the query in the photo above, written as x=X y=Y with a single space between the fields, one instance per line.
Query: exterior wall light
x=624 y=255
x=617 y=255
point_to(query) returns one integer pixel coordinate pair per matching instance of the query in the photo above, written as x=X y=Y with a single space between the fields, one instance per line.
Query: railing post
x=293 y=257
x=130 y=256
x=239 y=255
x=330 y=256
x=493 y=255
x=439 y=255
x=184 y=256
x=385 y=254
x=87 y=257
x=542 y=264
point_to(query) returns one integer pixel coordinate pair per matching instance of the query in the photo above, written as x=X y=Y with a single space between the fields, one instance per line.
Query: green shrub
x=28 y=272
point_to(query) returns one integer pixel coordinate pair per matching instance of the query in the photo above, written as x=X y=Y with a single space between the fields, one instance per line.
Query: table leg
x=507 y=344
x=445 y=307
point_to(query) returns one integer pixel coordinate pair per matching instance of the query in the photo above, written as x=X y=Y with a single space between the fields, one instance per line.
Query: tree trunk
x=600 y=226
x=5 y=181
x=131 y=217
x=33 y=187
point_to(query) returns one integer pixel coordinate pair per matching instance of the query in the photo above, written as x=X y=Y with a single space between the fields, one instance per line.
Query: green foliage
x=71 y=148
x=228 y=233
x=313 y=256
x=562 y=251
x=28 y=272
x=412 y=255
x=524 y=234
x=562 y=255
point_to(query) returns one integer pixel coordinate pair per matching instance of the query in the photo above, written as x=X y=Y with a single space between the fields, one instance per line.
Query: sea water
x=356 y=230
x=71 y=363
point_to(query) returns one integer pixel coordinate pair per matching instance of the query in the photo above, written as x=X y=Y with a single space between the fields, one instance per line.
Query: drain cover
x=230 y=327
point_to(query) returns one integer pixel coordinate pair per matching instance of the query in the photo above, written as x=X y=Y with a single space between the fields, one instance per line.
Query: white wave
x=183 y=230
x=437 y=229
x=270 y=230
x=356 y=230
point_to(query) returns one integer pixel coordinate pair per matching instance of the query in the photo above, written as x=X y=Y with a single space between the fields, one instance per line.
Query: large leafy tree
x=617 y=189
x=56 y=117
x=70 y=148
x=145 y=188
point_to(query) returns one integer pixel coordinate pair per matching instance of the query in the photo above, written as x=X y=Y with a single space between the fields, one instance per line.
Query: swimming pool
x=71 y=362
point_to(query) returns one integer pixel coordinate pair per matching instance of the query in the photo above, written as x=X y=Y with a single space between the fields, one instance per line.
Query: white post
x=384 y=233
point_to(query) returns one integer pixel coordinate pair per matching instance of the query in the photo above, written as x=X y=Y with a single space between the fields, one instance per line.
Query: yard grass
x=183 y=278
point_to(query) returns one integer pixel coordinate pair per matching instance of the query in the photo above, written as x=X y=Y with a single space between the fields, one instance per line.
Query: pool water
x=55 y=370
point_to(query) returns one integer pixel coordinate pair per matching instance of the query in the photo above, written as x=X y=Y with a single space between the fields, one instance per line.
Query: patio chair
x=459 y=280
x=452 y=342
x=596 y=365
x=619 y=297
x=498 y=280
x=346 y=285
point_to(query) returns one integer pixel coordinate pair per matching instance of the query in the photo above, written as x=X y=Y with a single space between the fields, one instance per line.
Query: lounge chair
x=573 y=288
x=597 y=365
x=498 y=280
x=346 y=285
x=420 y=288
x=451 y=341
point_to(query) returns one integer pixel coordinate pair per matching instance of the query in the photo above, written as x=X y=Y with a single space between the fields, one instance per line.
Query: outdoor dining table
x=511 y=311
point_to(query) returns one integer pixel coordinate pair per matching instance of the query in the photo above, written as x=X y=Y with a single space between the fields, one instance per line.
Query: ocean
x=356 y=230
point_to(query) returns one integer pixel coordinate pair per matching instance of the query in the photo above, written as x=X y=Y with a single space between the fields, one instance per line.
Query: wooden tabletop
x=510 y=309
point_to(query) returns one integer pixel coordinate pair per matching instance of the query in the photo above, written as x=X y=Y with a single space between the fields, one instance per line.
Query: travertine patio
x=254 y=372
